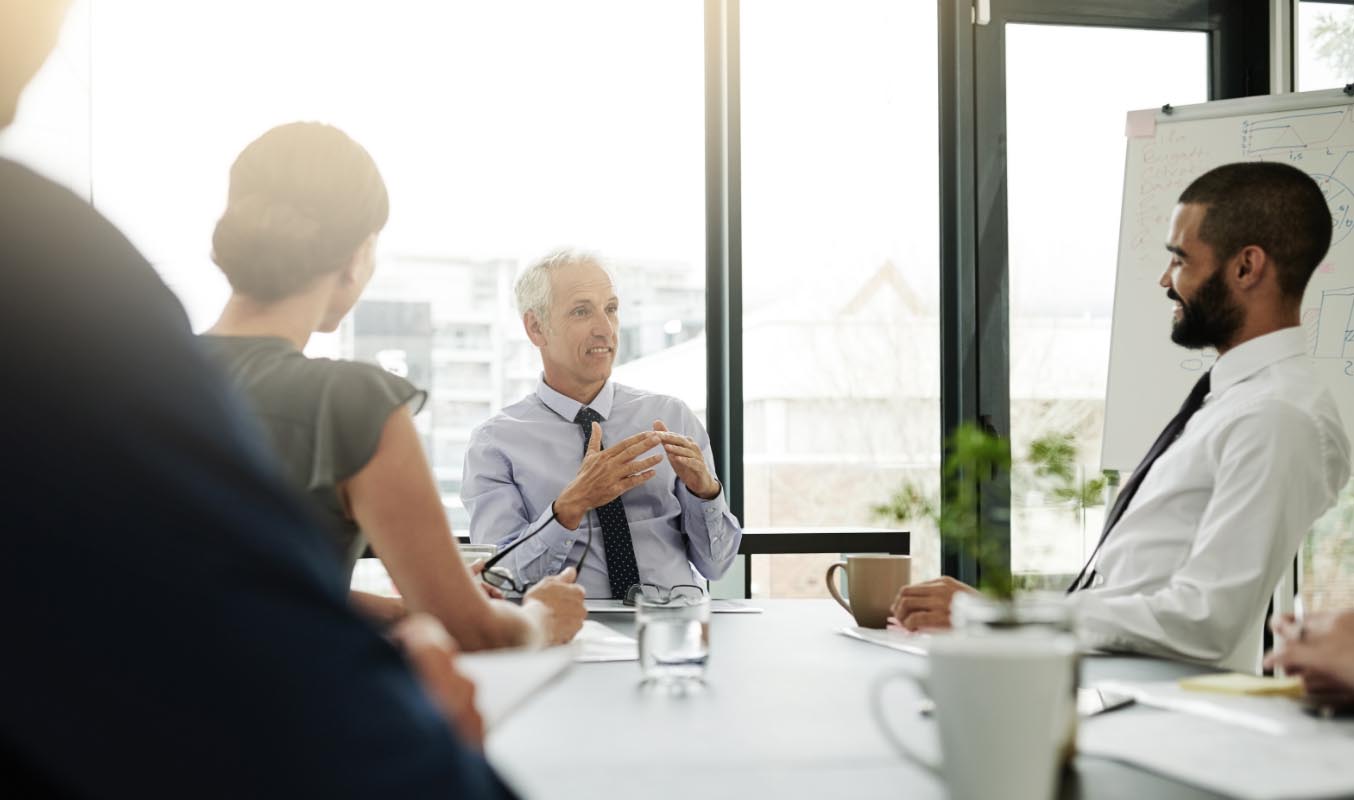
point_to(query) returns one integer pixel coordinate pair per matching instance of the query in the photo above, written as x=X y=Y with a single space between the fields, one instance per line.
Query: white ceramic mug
x=1005 y=706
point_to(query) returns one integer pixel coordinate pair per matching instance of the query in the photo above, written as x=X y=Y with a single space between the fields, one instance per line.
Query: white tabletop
x=785 y=715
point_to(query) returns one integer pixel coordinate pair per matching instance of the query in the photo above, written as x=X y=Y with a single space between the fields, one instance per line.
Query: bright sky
x=1065 y=144
x=840 y=145
x=507 y=128
x=503 y=128
x=1312 y=72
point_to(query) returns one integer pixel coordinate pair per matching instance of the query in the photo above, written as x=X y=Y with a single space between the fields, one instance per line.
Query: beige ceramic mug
x=873 y=583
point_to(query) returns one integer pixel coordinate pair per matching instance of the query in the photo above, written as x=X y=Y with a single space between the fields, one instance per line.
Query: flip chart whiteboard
x=1149 y=375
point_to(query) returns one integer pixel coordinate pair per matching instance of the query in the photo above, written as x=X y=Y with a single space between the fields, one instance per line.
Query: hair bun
x=303 y=199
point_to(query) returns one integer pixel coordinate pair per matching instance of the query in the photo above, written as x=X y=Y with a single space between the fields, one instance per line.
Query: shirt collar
x=568 y=407
x=1248 y=358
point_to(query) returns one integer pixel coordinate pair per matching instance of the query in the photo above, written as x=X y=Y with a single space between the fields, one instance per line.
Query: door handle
x=981 y=12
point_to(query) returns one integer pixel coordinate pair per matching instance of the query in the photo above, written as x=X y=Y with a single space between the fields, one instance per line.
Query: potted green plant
x=976 y=459
x=1002 y=618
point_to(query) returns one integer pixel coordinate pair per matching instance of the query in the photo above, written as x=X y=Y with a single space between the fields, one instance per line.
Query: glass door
x=1324 y=59
x=1053 y=81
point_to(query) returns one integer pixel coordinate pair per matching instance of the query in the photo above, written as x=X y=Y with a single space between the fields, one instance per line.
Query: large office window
x=1066 y=171
x=840 y=328
x=1031 y=186
x=507 y=129
x=51 y=134
x=504 y=130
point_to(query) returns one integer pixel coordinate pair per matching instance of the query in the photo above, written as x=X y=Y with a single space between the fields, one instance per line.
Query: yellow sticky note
x=1240 y=683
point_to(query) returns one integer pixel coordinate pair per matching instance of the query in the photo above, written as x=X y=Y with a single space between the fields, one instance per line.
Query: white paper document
x=1274 y=715
x=602 y=606
x=1233 y=760
x=596 y=642
x=914 y=643
x=505 y=679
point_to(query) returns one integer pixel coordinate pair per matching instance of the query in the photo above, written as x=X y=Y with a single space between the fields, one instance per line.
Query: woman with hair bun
x=297 y=242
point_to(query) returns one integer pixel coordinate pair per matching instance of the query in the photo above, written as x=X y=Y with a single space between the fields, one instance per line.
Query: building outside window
x=492 y=160
x=498 y=162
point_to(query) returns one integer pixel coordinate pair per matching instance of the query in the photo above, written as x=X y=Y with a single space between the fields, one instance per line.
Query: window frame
x=973 y=264
x=1238 y=48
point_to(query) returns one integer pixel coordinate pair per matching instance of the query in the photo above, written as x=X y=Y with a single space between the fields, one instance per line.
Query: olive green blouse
x=323 y=418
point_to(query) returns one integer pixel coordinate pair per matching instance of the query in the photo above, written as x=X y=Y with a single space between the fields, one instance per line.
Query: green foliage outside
x=1054 y=457
x=1328 y=557
x=1333 y=39
x=975 y=457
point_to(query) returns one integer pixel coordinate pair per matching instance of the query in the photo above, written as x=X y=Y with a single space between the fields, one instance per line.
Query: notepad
x=892 y=638
x=1273 y=714
x=717 y=606
x=1241 y=683
x=505 y=679
x=596 y=642
x=1229 y=759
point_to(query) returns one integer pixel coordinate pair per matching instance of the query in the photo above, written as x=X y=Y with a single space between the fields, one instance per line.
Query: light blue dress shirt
x=519 y=461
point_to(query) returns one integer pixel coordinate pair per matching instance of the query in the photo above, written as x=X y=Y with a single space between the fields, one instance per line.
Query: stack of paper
x=597 y=642
x=1242 y=746
x=893 y=638
x=717 y=606
x=504 y=679
x=1276 y=715
x=1223 y=758
x=1243 y=684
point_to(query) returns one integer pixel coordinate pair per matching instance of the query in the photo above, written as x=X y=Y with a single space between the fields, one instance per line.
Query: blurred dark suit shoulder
x=175 y=624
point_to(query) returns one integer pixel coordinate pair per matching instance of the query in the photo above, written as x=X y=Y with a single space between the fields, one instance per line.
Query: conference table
x=785 y=713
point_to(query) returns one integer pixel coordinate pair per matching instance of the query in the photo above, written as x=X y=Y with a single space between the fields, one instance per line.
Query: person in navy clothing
x=176 y=625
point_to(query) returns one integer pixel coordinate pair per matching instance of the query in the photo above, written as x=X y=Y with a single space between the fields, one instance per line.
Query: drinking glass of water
x=674 y=633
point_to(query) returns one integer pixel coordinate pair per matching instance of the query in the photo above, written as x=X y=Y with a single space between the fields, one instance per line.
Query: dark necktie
x=622 y=571
x=1168 y=436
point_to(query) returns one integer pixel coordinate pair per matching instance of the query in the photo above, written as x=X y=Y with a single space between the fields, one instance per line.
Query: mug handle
x=832 y=586
x=880 y=720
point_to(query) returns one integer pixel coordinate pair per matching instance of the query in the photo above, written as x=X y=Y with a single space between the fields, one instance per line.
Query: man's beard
x=1209 y=319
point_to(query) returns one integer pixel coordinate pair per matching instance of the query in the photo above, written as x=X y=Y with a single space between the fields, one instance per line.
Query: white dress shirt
x=520 y=460
x=1188 y=569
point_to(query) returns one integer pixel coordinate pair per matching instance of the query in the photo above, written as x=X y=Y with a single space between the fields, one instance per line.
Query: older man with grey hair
x=588 y=472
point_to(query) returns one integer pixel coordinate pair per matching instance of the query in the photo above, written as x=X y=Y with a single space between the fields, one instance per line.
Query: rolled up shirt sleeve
x=499 y=514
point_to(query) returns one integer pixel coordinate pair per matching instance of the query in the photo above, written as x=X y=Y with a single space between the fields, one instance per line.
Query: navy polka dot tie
x=622 y=571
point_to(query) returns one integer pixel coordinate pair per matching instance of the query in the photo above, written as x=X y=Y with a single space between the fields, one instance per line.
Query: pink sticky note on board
x=1141 y=123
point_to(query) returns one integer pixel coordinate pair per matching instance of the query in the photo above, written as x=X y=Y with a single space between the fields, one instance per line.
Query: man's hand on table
x=562 y=599
x=926 y=605
x=606 y=474
x=688 y=462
